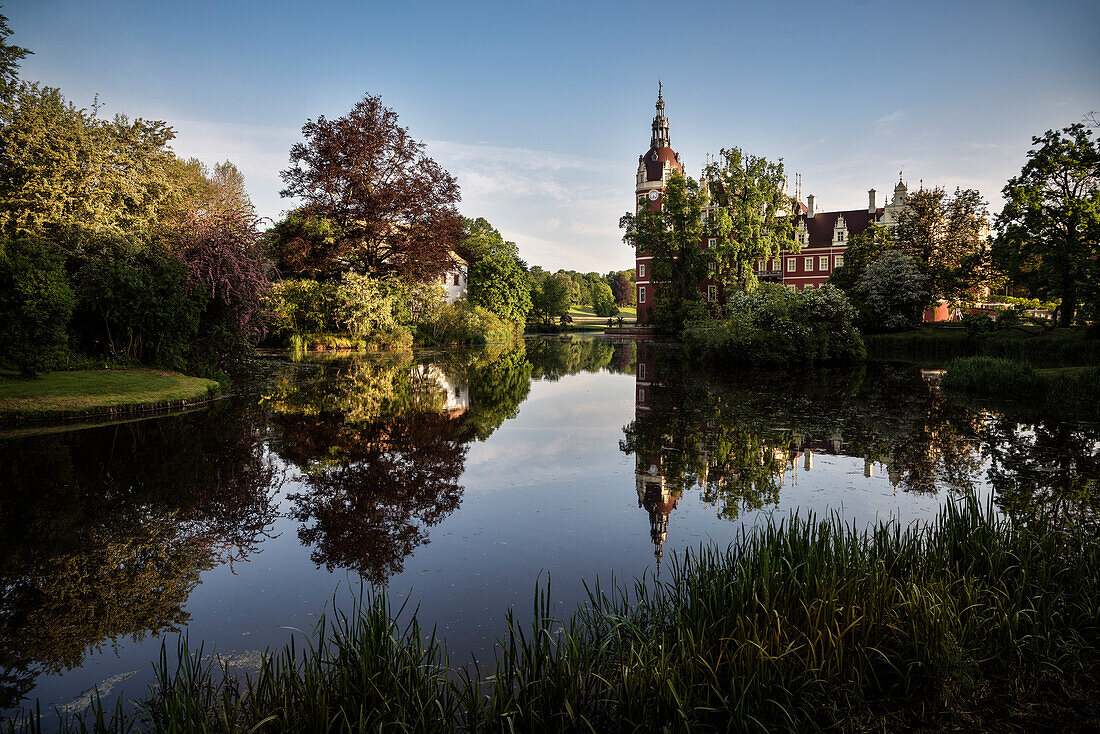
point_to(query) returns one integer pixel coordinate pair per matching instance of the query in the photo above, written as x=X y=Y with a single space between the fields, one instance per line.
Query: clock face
x=653 y=195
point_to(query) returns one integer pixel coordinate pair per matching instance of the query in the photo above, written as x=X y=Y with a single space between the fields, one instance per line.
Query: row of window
x=807 y=263
x=712 y=291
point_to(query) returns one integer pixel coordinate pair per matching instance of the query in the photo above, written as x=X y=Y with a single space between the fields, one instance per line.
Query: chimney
x=872 y=201
x=810 y=205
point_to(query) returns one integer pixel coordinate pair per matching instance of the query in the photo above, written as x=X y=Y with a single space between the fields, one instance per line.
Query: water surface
x=460 y=479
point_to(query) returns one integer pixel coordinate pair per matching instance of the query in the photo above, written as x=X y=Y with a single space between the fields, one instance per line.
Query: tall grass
x=1076 y=389
x=1039 y=348
x=799 y=625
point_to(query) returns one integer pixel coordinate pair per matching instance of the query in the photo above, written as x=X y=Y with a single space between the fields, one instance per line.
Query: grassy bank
x=1075 y=389
x=97 y=392
x=1025 y=344
x=967 y=624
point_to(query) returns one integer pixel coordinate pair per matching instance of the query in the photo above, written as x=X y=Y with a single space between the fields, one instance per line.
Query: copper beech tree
x=393 y=209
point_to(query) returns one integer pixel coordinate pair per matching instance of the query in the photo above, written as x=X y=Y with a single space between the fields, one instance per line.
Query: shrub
x=136 y=305
x=375 y=310
x=774 y=325
x=298 y=307
x=36 y=304
x=891 y=293
x=978 y=325
x=465 y=323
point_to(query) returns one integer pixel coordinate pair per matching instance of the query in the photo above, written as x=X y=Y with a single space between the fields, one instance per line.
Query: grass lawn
x=95 y=390
x=585 y=315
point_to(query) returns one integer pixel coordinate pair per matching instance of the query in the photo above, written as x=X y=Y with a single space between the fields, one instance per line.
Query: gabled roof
x=820 y=227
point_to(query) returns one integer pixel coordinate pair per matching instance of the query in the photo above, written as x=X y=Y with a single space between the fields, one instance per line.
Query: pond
x=460 y=480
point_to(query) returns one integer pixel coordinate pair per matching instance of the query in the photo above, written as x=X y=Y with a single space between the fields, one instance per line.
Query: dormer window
x=840 y=235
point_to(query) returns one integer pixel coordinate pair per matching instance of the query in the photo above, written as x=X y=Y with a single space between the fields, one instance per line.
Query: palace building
x=823 y=235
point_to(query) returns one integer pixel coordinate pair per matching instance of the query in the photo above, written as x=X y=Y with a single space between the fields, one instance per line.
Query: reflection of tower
x=658 y=500
x=654 y=493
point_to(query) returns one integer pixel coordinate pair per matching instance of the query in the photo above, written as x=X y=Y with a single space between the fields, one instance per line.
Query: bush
x=978 y=325
x=299 y=307
x=36 y=304
x=136 y=306
x=465 y=323
x=774 y=325
x=891 y=293
x=376 y=310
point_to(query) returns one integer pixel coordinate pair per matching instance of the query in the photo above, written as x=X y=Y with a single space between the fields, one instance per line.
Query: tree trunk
x=1069 y=302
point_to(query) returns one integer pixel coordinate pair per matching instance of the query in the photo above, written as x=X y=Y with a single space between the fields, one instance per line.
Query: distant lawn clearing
x=97 y=391
x=585 y=315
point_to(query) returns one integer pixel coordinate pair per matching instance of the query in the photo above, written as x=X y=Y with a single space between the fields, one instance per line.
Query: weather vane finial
x=659 y=89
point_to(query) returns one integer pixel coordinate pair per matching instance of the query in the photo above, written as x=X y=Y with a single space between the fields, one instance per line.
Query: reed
x=1073 y=389
x=800 y=624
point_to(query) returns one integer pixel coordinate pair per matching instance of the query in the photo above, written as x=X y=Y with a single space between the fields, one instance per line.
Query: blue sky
x=541 y=109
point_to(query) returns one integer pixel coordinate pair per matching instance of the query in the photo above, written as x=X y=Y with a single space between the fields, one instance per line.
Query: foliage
x=775 y=325
x=799 y=625
x=751 y=220
x=549 y=297
x=862 y=250
x=9 y=61
x=946 y=236
x=672 y=235
x=1050 y=225
x=499 y=284
x=623 y=287
x=223 y=252
x=466 y=323
x=392 y=207
x=135 y=305
x=603 y=302
x=302 y=307
x=375 y=310
x=978 y=325
x=891 y=293
x=69 y=174
x=305 y=245
x=36 y=302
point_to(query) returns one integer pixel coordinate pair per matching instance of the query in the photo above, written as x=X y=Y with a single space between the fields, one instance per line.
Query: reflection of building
x=658 y=500
x=456 y=400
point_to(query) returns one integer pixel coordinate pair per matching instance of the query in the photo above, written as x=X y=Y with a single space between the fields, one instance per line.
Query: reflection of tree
x=552 y=359
x=104 y=532
x=367 y=505
x=733 y=435
x=1045 y=469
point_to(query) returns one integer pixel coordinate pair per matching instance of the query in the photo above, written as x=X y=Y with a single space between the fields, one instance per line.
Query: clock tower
x=655 y=166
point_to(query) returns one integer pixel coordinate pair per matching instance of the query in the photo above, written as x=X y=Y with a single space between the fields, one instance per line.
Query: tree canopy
x=751 y=220
x=393 y=207
x=1050 y=225
x=672 y=235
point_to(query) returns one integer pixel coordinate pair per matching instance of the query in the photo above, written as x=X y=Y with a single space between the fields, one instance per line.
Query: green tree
x=1050 y=225
x=622 y=287
x=891 y=293
x=947 y=236
x=10 y=57
x=304 y=244
x=500 y=285
x=751 y=220
x=498 y=277
x=672 y=235
x=862 y=250
x=550 y=298
x=36 y=302
x=65 y=172
x=603 y=302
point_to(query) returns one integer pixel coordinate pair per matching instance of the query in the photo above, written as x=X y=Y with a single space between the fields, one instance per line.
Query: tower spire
x=660 y=137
